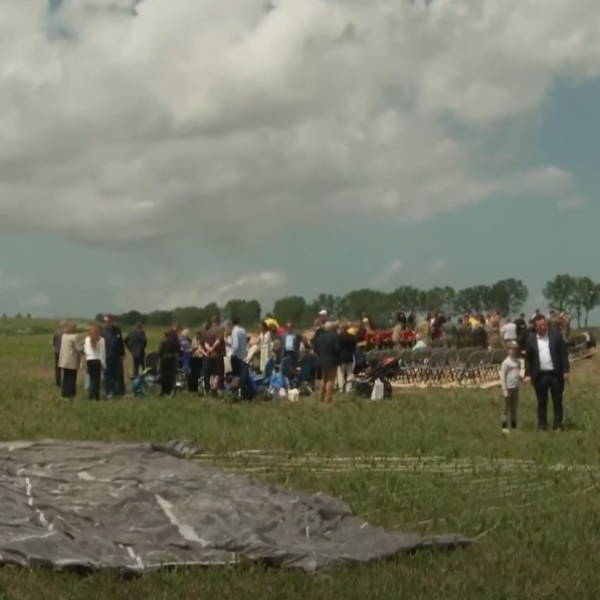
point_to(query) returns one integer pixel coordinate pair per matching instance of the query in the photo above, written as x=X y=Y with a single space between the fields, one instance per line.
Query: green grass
x=538 y=527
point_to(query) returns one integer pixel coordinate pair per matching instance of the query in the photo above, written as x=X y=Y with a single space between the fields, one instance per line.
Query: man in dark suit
x=547 y=368
x=136 y=343
x=114 y=376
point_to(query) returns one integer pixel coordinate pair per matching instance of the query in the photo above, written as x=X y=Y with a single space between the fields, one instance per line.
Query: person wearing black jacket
x=327 y=349
x=168 y=354
x=345 y=375
x=114 y=375
x=479 y=335
x=547 y=368
x=136 y=343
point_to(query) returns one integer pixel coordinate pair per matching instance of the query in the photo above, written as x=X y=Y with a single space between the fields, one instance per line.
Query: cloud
x=37 y=301
x=164 y=291
x=439 y=265
x=572 y=203
x=8 y=282
x=195 y=119
x=389 y=274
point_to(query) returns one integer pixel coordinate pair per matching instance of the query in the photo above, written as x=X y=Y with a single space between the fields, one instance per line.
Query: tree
x=440 y=298
x=290 y=309
x=131 y=318
x=508 y=296
x=191 y=316
x=406 y=298
x=160 y=318
x=578 y=294
x=248 y=311
x=585 y=296
x=558 y=291
x=378 y=305
x=472 y=299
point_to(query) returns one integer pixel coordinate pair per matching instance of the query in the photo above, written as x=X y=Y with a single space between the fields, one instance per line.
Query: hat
x=322 y=312
x=512 y=345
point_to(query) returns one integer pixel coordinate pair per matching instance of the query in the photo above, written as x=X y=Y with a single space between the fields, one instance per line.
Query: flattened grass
x=537 y=524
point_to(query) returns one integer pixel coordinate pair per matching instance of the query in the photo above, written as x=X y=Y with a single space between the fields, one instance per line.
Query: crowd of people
x=215 y=353
x=472 y=330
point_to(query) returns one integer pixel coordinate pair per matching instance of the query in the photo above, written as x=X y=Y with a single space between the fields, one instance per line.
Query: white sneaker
x=505 y=431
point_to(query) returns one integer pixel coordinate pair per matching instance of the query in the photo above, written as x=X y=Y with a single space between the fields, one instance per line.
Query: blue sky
x=77 y=268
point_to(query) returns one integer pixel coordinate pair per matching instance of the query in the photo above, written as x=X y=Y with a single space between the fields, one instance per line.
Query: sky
x=189 y=152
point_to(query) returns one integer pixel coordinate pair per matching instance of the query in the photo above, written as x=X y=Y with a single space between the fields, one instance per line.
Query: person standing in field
x=327 y=349
x=55 y=343
x=69 y=360
x=347 y=344
x=423 y=329
x=450 y=332
x=509 y=333
x=239 y=345
x=94 y=350
x=196 y=364
x=114 y=376
x=463 y=333
x=492 y=328
x=136 y=343
x=510 y=379
x=265 y=343
x=214 y=342
x=479 y=334
x=169 y=351
x=399 y=327
x=547 y=368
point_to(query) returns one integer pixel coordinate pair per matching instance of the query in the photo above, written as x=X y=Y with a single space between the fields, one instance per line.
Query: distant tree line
x=579 y=295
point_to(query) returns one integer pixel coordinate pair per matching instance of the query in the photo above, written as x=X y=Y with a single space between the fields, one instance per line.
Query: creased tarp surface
x=139 y=507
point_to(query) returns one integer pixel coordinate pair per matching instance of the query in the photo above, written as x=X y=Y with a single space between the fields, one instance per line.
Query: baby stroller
x=364 y=382
x=147 y=383
x=304 y=378
x=388 y=368
x=273 y=379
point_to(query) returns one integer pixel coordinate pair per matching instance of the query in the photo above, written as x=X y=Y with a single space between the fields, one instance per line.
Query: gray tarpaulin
x=140 y=506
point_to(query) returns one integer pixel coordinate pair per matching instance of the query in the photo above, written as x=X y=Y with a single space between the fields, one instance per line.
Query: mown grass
x=538 y=527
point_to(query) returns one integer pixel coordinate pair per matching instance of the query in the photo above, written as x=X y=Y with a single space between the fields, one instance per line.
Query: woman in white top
x=94 y=349
x=265 y=343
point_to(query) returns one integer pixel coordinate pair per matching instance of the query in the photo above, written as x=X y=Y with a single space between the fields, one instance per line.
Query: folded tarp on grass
x=138 y=507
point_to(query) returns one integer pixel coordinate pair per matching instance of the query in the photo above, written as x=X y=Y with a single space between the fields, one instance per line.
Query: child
x=510 y=378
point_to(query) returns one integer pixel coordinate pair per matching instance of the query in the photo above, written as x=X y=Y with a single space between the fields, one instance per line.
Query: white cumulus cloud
x=193 y=117
x=161 y=292
x=389 y=275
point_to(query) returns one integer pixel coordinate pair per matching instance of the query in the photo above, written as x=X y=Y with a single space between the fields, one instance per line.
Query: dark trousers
x=57 y=370
x=139 y=364
x=206 y=374
x=195 y=374
x=69 y=383
x=94 y=372
x=548 y=382
x=216 y=368
x=292 y=357
x=236 y=366
x=114 y=377
x=168 y=375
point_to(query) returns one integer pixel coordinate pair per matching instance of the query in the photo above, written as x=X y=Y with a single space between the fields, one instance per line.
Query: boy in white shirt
x=510 y=379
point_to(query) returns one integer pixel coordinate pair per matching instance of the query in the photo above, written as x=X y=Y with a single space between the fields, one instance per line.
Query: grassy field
x=429 y=461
